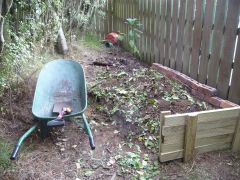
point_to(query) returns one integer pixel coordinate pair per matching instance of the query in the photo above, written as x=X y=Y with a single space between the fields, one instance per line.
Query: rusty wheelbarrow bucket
x=59 y=82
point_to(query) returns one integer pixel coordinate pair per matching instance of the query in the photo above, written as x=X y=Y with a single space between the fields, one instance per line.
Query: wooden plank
x=190 y=137
x=178 y=137
x=181 y=27
x=206 y=40
x=228 y=48
x=168 y=25
x=141 y=47
x=201 y=149
x=234 y=93
x=170 y=130
x=236 y=138
x=216 y=43
x=197 y=36
x=171 y=156
x=188 y=38
x=213 y=147
x=216 y=132
x=162 y=31
x=226 y=138
x=211 y=115
x=174 y=34
x=162 y=119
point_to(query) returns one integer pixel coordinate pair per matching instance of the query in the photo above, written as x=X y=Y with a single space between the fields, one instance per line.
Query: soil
x=117 y=131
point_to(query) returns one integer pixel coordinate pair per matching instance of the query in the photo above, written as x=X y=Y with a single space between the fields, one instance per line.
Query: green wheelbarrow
x=61 y=84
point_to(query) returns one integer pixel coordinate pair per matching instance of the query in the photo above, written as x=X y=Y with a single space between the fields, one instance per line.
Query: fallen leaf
x=78 y=165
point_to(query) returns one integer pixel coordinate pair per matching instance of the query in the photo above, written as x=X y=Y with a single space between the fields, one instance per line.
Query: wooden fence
x=196 y=37
x=184 y=135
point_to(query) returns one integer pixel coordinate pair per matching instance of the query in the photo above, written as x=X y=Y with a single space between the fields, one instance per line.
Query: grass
x=5 y=152
x=92 y=41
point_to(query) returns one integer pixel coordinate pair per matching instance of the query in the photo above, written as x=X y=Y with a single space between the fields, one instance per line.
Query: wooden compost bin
x=185 y=135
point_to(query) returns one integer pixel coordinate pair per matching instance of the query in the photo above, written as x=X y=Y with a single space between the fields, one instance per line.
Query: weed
x=5 y=149
x=139 y=167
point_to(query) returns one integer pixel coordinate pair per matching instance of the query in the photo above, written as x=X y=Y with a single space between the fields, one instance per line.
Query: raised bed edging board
x=184 y=135
x=202 y=91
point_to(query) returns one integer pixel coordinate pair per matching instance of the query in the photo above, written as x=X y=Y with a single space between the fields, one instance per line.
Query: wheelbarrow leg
x=20 y=141
x=89 y=132
x=44 y=129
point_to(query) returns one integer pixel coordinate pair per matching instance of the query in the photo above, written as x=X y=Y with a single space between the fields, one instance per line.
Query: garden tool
x=62 y=108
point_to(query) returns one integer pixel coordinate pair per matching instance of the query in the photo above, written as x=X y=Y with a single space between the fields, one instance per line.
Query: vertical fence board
x=216 y=43
x=152 y=18
x=228 y=48
x=157 y=31
x=180 y=35
x=188 y=37
x=206 y=40
x=167 y=39
x=162 y=31
x=174 y=34
x=197 y=32
x=234 y=93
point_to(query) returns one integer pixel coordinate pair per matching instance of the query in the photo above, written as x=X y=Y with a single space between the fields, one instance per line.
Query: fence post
x=190 y=137
x=162 y=117
x=236 y=138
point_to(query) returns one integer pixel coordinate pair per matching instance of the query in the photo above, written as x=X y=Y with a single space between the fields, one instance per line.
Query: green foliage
x=32 y=28
x=139 y=167
x=5 y=149
x=132 y=35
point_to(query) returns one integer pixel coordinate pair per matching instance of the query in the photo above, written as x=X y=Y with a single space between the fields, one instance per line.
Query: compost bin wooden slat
x=211 y=115
x=228 y=48
x=168 y=25
x=162 y=119
x=206 y=40
x=216 y=42
x=181 y=26
x=236 y=138
x=188 y=38
x=197 y=33
x=190 y=137
x=174 y=34
x=178 y=136
x=162 y=31
x=171 y=156
x=201 y=126
x=226 y=138
x=200 y=149
x=234 y=93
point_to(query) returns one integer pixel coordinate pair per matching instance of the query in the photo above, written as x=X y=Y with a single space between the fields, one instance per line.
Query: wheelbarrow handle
x=89 y=132
x=92 y=144
x=20 y=141
x=15 y=152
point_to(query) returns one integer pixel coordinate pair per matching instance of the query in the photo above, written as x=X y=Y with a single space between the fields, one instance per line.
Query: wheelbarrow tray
x=60 y=81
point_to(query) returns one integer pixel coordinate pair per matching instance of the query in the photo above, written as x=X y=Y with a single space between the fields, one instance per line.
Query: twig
x=193 y=164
